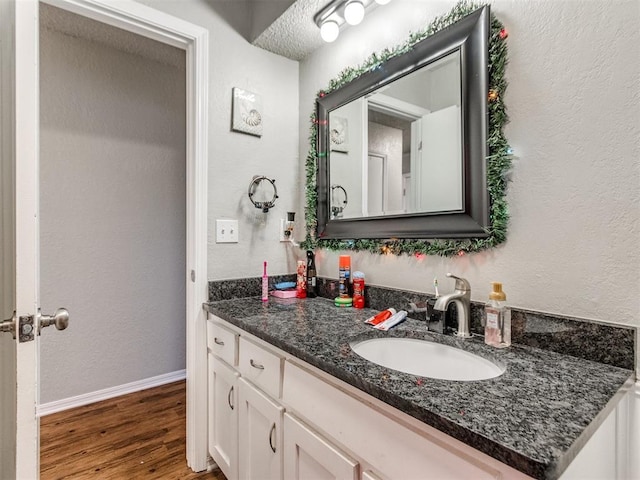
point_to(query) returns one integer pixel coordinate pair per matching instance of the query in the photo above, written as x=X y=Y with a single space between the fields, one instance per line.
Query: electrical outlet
x=286 y=230
x=226 y=231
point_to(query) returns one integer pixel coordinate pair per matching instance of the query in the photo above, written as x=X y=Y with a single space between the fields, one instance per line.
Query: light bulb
x=382 y=2
x=329 y=31
x=354 y=12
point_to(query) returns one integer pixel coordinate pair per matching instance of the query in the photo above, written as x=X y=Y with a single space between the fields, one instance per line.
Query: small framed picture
x=339 y=134
x=246 y=116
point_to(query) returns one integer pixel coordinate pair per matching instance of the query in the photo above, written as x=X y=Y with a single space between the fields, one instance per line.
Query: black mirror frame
x=470 y=35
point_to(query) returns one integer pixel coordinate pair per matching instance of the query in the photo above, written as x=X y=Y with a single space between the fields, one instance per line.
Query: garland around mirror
x=498 y=159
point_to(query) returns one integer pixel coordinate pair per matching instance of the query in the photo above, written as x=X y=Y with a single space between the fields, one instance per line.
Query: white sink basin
x=426 y=359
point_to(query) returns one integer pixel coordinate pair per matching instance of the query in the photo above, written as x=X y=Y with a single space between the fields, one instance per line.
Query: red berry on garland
x=503 y=34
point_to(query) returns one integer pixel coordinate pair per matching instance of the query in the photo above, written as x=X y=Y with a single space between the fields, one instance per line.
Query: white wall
x=112 y=215
x=234 y=158
x=573 y=99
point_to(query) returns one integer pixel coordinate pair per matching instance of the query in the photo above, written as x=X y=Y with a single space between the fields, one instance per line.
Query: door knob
x=9 y=325
x=60 y=319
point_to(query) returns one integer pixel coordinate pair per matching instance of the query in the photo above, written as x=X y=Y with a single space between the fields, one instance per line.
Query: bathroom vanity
x=289 y=399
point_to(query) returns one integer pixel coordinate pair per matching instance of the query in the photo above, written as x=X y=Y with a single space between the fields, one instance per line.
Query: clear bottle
x=497 y=330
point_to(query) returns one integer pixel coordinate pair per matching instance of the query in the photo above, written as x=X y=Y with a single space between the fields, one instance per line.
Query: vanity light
x=338 y=12
x=329 y=31
x=354 y=12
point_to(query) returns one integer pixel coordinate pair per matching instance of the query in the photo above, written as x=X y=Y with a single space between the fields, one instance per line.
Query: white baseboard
x=92 y=397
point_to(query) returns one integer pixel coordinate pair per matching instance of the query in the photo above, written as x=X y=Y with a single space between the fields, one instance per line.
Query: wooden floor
x=140 y=435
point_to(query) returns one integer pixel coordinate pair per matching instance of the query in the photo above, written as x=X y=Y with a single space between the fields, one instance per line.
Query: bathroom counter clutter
x=534 y=417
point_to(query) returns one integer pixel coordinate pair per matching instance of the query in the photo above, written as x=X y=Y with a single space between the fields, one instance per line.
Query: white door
x=20 y=442
x=19 y=427
x=20 y=242
x=307 y=455
x=223 y=416
x=260 y=435
x=376 y=185
x=437 y=173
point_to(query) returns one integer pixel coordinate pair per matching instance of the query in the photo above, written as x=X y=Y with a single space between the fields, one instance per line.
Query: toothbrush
x=265 y=283
x=435 y=286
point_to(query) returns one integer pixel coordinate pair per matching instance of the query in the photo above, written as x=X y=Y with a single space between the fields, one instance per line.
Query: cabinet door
x=260 y=435
x=223 y=416
x=308 y=456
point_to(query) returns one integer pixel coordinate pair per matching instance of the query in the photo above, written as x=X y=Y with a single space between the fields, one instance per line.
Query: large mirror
x=402 y=149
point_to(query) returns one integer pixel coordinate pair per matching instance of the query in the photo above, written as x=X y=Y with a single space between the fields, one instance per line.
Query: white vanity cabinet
x=296 y=422
x=223 y=416
x=308 y=455
x=222 y=430
x=260 y=435
x=244 y=416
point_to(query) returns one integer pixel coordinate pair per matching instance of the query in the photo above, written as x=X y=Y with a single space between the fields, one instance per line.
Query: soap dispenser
x=497 y=330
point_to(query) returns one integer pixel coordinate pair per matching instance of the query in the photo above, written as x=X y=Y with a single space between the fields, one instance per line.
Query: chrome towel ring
x=266 y=205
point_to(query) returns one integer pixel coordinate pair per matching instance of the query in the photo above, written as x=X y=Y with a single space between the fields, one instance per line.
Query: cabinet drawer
x=222 y=342
x=262 y=367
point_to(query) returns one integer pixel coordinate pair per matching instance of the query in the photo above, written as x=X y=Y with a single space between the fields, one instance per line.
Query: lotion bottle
x=497 y=330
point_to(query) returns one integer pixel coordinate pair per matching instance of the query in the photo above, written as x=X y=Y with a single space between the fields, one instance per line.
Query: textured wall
x=234 y=158
x=573 y=99
x=112 y=216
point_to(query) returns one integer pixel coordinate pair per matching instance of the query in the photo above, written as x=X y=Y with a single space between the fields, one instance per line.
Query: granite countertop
x=535 y=417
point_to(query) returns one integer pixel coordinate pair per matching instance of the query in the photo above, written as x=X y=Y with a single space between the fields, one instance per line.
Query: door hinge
x=26 y=329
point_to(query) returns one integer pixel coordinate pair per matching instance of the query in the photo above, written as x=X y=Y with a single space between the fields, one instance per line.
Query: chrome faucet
x=461 y=297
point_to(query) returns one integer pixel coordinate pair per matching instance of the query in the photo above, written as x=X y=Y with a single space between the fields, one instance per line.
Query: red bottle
x=358 y=290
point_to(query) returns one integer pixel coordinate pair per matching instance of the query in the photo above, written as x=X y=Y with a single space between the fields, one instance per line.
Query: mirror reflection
x=398 y=150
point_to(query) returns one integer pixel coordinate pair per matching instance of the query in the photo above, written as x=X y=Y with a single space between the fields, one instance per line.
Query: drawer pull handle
x=218 y=341
x=271 y=433
x=229 y=397
x=256 y=365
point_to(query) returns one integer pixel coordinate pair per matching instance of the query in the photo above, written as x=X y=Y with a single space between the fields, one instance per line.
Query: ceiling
x=293 y=34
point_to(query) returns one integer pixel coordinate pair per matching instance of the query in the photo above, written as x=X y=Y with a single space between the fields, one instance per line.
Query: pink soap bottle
x=265 y=283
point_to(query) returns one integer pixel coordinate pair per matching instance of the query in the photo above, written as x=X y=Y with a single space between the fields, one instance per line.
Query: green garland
x=498 y=160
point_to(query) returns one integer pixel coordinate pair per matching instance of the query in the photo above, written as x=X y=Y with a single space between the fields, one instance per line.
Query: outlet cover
x=226 y=231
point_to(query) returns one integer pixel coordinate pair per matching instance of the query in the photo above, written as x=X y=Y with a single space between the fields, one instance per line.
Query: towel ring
x=337 y=210
x=264 y=206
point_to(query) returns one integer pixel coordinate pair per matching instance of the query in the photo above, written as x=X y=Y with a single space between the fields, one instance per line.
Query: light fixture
x=329 y=31
x=338 y=12
x=353 y=12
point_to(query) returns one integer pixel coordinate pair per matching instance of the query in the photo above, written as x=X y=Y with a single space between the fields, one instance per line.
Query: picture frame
x=246 y=115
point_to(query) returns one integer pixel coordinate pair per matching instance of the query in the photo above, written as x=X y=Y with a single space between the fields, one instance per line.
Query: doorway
x=112 y=174
x=112 y=208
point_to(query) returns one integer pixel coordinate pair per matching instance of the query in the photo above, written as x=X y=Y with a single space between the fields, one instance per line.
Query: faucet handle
x=462 y=284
